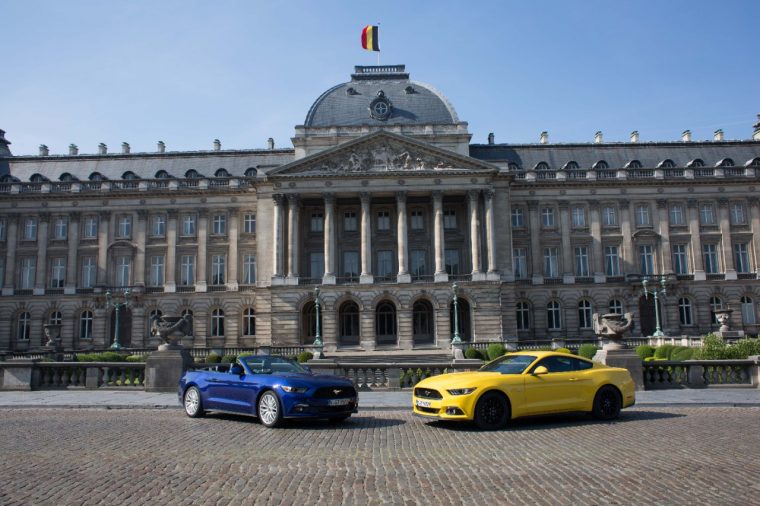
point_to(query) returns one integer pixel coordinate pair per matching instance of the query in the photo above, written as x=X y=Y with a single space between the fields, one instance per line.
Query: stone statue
x=171 y=329
x=611 y=326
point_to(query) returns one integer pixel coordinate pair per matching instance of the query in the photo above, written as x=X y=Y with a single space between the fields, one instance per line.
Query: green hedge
x=105 y=356
x=305 y=356
x=563 y=350
x=473 y=353
x=495 y=350
x=664 y=352
x=213 y=358
x=587 y=350
x=645 y=351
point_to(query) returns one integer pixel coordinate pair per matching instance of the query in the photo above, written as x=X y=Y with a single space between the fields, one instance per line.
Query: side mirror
x=540 y=370
x=236 y=369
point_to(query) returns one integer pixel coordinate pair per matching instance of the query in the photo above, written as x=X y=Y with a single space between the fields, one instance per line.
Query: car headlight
x=461 y=391
x=294 y=390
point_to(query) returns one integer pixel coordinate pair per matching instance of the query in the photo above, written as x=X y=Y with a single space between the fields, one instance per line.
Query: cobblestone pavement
x=662 y=455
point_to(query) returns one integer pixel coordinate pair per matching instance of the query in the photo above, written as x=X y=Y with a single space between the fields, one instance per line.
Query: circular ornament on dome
x=380 y=107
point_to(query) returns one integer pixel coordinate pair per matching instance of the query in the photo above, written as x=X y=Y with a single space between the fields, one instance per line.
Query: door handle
x=213 y=380
x=573 y=379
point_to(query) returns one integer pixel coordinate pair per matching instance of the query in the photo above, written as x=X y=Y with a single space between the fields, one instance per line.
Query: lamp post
x=456 y=339
x=117 y=307
x=318 y=345
x=656 y=292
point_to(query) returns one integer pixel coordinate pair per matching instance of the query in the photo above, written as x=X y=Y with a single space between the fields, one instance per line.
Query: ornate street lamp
x=117 y=307
x=318 y=345
x=456 y=339
x=656 y=292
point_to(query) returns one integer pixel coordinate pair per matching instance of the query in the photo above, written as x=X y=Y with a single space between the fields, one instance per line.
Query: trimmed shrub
x=246 y=354
x=649 y=359
x=563 y=350
x=213 y=358
x=105 y=356
x=305 y=356
x=495 y=350
x=229 y=359
x=747 y=347
x=645 y=351
x=664 y=352
x=681 y=353
x=472 y=353
x=587 y=350
x=136 y=358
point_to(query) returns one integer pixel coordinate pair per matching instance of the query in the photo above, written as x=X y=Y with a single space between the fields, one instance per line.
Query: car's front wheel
x=492 y=411
x=193 y=403
x=607 y=403
x=270 y=409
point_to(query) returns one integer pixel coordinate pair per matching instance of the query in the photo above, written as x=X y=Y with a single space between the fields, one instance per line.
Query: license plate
x=338 y=402
x=423 y=404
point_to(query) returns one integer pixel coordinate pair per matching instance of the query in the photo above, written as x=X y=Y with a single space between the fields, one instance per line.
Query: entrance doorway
x=125 y=327
x=647 y=315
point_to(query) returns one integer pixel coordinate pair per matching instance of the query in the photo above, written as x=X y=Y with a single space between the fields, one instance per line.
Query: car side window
x=581 y=365
x=557 y=364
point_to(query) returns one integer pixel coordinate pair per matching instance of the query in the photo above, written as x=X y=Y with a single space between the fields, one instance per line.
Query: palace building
x=383 y=204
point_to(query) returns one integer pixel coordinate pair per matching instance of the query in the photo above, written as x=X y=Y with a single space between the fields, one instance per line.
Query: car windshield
x=509 y=364
x=268 y=365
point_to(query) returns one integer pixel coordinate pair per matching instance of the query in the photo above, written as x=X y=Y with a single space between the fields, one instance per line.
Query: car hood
x=315 y=380
x=457 y=379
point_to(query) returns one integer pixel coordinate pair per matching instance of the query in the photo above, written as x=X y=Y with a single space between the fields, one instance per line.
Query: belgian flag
x=371 y=38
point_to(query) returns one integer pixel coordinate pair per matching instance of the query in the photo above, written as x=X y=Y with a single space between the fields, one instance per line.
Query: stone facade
x=383 y=213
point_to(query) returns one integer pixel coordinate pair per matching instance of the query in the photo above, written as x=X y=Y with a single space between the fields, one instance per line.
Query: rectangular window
x=646 y=259
x=609 y=217
x=249 y=269
x=61 y=229
x=219 y=224
x=384 y=221
x=249 y=223
x=581 y=261
x=89 y=271
x=551 y=259
x=547 y=217
x=158 y=225
x=384 y=263
x=188 y=225
x=124 y=227
x=90 y=230
x=218 y=269
x=57 y=272
x=741 y=257
x=317 y=222
x=449 y=219
x=123 y=268
x=518 y=217
x=706 y=214
x=418 y=220
x=30 y=229
x=351 y=263
x=738 y=217
x=418 y=262
x=316 y=265
x=157 y=270
x=350 y=222
x=187 y=270
x=642 y=216
x=611 y=261
x=677 y=217
x=680 y=259
x=520 y=262
x=710 y=258
x=3 y=230
x=579 y=217
x=2 y=269
x=451 y=258
x=28 y=265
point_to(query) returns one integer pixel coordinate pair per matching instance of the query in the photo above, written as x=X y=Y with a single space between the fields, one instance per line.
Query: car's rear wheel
x=607 y=403
x=270 y=409
x=492 y=411
x=193 y=403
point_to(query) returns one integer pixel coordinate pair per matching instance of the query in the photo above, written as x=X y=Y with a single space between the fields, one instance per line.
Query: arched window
x=217 y=323
x=748 y=311
x=584 y=314
x=309 y=322
x=571 y=166
x=698 y=162
x=192 y=174
x=422 y=322
x=755 y=162
x=129 y=175
x=348 y=323
x=726 y=162
x=56 y=318
x=251 y=172
x=684 y=311
x=97 y=176
x=633 y=164
x=23 y=326
x=601 y=165
x=162 y=174
x=67 y=178
x=616 y=306
x=522 y=312
x=188 y=312
x=463 y=319
x=249 y=322
x=156 y=313
x=85 y=325
x=221 y=173
x=542 y=166
x=513 y=166
x=715 y=304
x=385 y=323
x=553 y=315
x=38 y=178
x=667 y=164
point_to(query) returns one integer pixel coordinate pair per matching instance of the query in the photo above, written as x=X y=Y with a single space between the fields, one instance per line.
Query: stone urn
x=171 y=329
x=53 y=333
x=612 y=326
x=724 y=318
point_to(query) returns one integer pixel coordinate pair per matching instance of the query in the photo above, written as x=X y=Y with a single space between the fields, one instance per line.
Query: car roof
x=543 y=353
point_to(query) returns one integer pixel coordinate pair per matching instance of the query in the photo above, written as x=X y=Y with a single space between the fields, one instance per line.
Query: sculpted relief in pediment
x=382 y=157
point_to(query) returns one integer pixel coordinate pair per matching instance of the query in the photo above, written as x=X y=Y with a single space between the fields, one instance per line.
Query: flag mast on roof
x=371 y=39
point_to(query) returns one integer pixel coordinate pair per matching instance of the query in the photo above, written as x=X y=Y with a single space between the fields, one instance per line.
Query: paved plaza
x=652 y=455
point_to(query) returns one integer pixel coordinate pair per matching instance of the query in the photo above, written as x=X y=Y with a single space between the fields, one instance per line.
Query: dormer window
x=667 y=164
x=129 y=175
x=97 y=176
x=696 y=163
x=633 y=164
x=38 y=178
x=542 y=166
x=571 y=166
x=601 y=165
x=251 y=172
x=726 y=162
x=755 y=162
x=192 y=174
x=221 y=173
x=162 y=174
x=67 y=178
x=513 y=166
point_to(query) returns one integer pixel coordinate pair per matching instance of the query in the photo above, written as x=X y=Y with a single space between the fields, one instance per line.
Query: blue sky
x=187 y=72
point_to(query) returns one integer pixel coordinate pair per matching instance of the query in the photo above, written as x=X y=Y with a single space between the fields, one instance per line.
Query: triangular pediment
x=381 y=153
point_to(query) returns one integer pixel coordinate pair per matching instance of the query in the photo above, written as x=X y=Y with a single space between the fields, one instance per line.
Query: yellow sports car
x=525 y=384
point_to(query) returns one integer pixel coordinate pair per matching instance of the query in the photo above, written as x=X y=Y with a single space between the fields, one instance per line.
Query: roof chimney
x=161 y=147
x=73 y=150
x=598 y=137
x=125 y=148
x=217 y=145
x=718 y=135
x=544 y=139
x=490 y=138
x=756 y=134
x=635 y=136
x=270 y=143
x=44 y=151
x=686 y=136
x=102 y=149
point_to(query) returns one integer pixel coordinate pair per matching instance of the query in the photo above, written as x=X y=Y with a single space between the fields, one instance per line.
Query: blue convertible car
x=269 y=387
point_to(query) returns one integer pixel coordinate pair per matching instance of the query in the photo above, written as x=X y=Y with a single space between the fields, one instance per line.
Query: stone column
x=440 y=268
x=232 y=251
x=629 y=261
x=278 y=246
x=201 y=283
x=726 y=243
x=597 y=251
x=10 y=255
x=696 y=241
x=535 y=243
x=402 y=239
x=170 y=286
x=141 y=230
x=104 y=230
x=664 y=225
x=492 y=274
x=294 y=207
x=70 y=287
x=329 y=240
x=366 y=275
x=40 y=278
x=568 y=273
x=754 y=211
x=472 y=204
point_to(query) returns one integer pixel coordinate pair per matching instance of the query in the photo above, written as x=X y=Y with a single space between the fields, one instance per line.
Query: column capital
x=104 y=215
x=723 y=202
x=44 y=217
x=203 y=214
x=488 y=194
x=364 y=197
x=594 y=205
x=329 y=197
x=624 y=203
x=74 y=216
x=438 y=195
x=401 y=197
x=753 y=201
x=278 y=198
x=172 y=213
x=662 y=204
x=294 y=200
x=473 y=195
x=12 y=218
x=234 y=212
x=533 y=205
x=142 y=214
x=692 y=203
x=563 y=205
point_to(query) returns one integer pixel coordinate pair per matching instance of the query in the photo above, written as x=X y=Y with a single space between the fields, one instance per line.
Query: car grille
x=427 y=393
x=335 y=392
x=432 y=411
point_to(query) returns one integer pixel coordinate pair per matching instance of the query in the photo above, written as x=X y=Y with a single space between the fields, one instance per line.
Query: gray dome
x=408 y=102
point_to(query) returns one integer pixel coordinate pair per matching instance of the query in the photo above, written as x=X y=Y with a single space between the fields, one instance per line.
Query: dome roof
x=378 y=96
